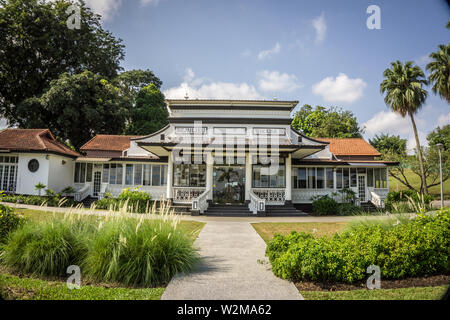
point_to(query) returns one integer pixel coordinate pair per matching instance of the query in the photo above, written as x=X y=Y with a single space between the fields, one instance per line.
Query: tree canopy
x=150 y=113
x=36 y=47
x=439 y=69
x=389 y=144
x=77 y=107
x=321 y=122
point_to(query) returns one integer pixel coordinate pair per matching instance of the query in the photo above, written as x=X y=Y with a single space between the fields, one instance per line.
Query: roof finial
x=186 y=96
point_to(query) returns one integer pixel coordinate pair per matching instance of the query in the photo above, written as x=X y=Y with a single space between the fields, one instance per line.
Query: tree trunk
x=419 y=153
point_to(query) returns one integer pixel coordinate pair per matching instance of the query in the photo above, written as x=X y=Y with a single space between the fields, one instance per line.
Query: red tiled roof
x=33 y=140
x=106 y=142
x=350 y=147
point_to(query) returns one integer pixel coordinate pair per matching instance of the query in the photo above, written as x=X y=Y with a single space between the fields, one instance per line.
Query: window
x=156 y=175
x=164 y=175
x=346 y=177
x=147 y=175
x=311 y=178
x=189 y=175
x=265 y=177
x=380 y=178
x=370 y=177
x=112 y=174
x=137 y=174
x=353 y=177
x=80 y=173
x=129 y=174
x=339 y=178
x=330 y=178
x=320 y=178
x=89 y=172
x=105 y=176
x=8 y=173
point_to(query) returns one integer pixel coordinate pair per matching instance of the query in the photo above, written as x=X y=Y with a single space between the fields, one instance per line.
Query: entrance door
x=229 y=185
x=97 y=183
x=362 y=188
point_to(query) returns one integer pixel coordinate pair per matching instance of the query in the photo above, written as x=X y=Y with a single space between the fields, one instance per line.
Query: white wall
x=26 y=180
x=60 y=173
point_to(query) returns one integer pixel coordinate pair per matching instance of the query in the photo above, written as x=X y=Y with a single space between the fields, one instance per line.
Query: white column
x=248 y=175
x=289 y=178
x=169 y=176
x=209 y=174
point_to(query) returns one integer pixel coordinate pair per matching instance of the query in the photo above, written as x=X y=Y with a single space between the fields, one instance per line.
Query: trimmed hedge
x=419 y=247
x=51 y=201
x=327 y=206
x=136 y=201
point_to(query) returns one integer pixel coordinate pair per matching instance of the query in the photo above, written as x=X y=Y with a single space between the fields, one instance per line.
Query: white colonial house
x=240 y=156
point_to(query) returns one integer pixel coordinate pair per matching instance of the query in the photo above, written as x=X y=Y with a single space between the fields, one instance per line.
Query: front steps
x=287 y=210
x=368 y=207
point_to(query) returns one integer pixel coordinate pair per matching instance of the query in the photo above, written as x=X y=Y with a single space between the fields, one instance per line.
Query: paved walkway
x=231 y=268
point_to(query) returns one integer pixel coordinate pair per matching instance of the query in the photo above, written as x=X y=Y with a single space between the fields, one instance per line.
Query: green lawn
x=414 y=179
x=267 y=230
x=417 y=293
x=16 y=288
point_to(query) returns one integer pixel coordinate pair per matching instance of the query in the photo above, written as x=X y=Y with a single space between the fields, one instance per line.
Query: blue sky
x=317 y=52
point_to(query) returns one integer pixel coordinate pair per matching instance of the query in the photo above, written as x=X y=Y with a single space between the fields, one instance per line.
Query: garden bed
x=431 y=281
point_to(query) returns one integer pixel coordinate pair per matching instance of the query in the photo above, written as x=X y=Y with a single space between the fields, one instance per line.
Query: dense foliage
x=405 y=201
x=37 y=47
x=417 y=247
x=77 y=107
x=134 y=199
x=9 y=221
x=329 y=123
x=389 y=144
x=150 y=112
x=328 y=206
x=51 y=199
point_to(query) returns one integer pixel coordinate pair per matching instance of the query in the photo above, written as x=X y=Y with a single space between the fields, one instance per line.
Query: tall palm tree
x=405 y=95
x=439 y=70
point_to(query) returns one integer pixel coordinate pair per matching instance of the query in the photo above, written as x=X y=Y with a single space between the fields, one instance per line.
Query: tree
x=39 y=187
x=439 y=70
x=389 y=144
x=36 y=47
x=77 y=107
x=150 y=113
x=133 y=81
x=402 y=85
x=326 y=123
x=431 y=164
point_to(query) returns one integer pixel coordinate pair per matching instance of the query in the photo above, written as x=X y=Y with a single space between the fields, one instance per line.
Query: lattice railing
x=271 y=196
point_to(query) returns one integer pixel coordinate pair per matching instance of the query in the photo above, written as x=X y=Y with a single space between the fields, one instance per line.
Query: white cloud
x=320 y=26
x=269 y=53
x=423 y=61
x=106 y=8
x=147 y=2
x=3 y=123
x=341 y=89
x=443 y=120
x=199 y=88
x=275 y=81
x=246 y=53
x=392 y=123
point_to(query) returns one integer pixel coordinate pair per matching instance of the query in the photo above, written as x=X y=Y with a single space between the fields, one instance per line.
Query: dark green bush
x=419 y=247
x=53 y=201
x=325 y=206
x=394 y=197
x=9 y=221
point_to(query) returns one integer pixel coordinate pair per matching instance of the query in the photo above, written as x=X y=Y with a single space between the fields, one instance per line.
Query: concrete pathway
x=231 y=268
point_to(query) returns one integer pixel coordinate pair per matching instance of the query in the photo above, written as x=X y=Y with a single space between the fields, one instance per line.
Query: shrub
x=415 y=248
x=398 y=200
x=137 y=200
x=45 y=248
x=134 y=200
x=325 y=206
x=139 y=252
x=53 y=201
x=9 y=221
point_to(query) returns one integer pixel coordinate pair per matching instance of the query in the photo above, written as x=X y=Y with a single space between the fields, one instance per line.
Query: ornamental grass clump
x=46 y=248
x=143 y=252
x=117 y=247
